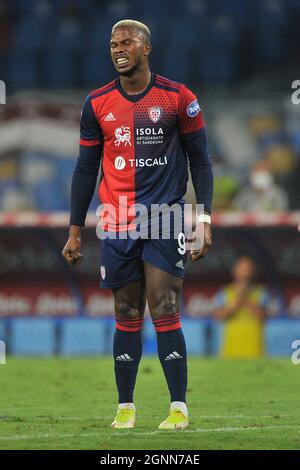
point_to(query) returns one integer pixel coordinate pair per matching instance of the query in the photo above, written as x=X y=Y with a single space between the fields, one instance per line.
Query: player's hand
x=197 y=254
x=71 y=251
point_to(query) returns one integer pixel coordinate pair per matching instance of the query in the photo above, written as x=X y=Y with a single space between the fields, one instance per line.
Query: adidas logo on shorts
x=124 y=357
x=180 y=264
x=173 y=355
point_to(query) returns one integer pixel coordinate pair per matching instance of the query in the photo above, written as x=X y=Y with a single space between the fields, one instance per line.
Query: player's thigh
x=121 y=262
x=130 y=300
x=163 y=291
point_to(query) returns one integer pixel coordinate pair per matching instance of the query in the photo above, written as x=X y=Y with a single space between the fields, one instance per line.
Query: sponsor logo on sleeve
x=193 y=109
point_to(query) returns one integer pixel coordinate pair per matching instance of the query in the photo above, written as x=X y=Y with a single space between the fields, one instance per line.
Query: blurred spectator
x=225 y=184
x=241 y=305
x=262 y=194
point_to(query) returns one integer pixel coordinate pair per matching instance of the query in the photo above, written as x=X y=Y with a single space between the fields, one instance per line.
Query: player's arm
x=84 y=180
x=194 y=139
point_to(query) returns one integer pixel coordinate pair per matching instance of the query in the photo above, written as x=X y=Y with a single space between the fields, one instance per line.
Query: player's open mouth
x=122 y=60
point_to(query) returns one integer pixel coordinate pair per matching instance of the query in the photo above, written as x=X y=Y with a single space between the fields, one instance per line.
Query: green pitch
x=70 y=403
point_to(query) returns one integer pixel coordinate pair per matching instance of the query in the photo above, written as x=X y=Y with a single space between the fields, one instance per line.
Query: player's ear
x=147 y=48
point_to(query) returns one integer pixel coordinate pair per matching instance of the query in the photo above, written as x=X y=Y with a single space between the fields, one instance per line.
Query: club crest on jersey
x=193 y=109
x=155 y=113
x=122 y=136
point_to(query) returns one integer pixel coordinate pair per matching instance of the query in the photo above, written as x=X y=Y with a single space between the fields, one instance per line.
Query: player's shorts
x=122 y=259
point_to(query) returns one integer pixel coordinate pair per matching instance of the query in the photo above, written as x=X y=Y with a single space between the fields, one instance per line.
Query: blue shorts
x=122 y=259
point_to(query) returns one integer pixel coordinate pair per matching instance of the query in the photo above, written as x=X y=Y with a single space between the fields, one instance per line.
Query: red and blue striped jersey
x=141 y=138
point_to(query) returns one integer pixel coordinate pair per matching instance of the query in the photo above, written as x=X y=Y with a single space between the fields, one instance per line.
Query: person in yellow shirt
x=241 y=305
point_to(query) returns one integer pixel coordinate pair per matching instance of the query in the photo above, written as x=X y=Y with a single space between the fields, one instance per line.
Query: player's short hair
x=137 y=25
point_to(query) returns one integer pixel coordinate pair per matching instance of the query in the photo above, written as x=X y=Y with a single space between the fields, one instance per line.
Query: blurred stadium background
x=241 y=57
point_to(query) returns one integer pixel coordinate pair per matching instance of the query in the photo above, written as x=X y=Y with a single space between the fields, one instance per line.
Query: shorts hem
x=169 y=271
x=113 y=285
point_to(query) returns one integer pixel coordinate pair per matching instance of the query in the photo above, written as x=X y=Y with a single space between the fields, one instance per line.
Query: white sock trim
x=181 y=406
x=126 y=405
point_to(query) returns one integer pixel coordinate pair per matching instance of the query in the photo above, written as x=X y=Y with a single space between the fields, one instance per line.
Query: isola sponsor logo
x=149 y=136
x=193 y=109
x=149 y=131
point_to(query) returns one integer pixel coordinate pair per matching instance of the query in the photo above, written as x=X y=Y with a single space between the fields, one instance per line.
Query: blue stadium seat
x=295 y=139
x=222 y=33
x=234 y=8
x=25 y=8
x=58 y=69
x=183 y=32
x=268 y=26
x=31 y=34
x=176 y=65
x=3 y=352
x=293 y=5
x=270 y=47
x=22 y=70
x=80 y=4
x=166 y=11
x=69 y=39
x=8 y=189
x=83 y=337
x=110 y=328
x=268 y=14
x=195 y=335
x=3 y=329
x=217 y=66
x=32 y=337
x=97 y=68
x=49 y=196
x=216 y=338
x=40 y=177
x=279 y=336
x=64 y=171
x=97 y=34
x=118 y=9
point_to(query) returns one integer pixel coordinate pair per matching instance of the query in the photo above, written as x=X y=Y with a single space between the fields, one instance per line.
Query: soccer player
x=145 y=129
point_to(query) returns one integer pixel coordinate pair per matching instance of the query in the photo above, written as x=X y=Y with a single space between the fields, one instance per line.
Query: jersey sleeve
x=90 y=130
x=190 y=114
x=86 y=171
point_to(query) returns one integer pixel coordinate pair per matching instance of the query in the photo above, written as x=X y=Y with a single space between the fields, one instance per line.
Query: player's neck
x=137 y=83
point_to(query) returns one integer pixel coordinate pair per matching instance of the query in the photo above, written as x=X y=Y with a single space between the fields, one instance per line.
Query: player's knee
x=164 y=305
x=127 y=311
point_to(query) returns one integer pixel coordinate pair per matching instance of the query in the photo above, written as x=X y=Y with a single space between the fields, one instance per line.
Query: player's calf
x=173 y=358
x=127 y=352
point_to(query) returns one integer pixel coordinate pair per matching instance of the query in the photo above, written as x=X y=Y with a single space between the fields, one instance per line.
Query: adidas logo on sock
x=124 y=357
x=173 y=355
x=180 y=264
x=110 y=117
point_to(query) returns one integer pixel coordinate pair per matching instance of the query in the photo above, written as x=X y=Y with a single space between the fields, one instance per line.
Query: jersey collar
x=135 y=98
